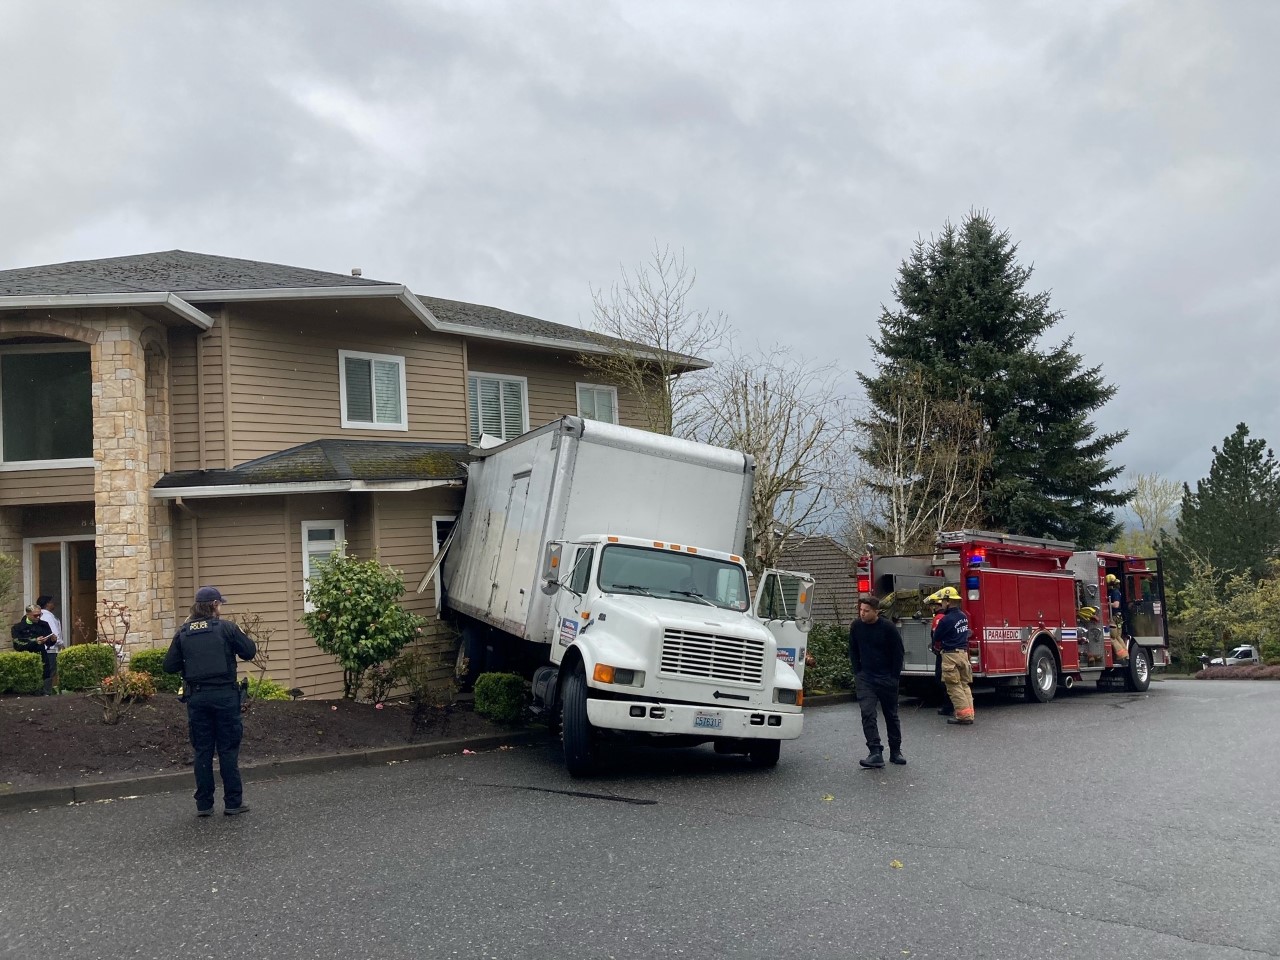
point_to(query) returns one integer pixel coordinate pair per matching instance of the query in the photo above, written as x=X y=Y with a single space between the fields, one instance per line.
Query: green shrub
x=83 y=666
x=137 y=686
x=501 y=696
x=831 y=671
x=151 y=663
x=264 y=688
x=21 y=672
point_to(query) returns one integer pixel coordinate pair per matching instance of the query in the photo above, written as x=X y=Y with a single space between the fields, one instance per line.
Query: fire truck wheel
x=1137 y=677
x=578 y=735
x=1042 y=674
x=764 y=753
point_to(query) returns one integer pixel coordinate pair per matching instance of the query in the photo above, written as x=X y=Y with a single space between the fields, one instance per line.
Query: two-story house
x=174 y=419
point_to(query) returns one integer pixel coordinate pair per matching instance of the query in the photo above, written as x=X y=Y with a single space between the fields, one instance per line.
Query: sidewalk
x=31 y=798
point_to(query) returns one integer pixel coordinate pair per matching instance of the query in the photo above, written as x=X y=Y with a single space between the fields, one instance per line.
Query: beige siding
x=196 y=398
x=285 y=384
x=553 y=379
x=59 y=485
x=405 y=544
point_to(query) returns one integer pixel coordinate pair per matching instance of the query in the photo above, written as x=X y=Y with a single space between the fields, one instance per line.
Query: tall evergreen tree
x=1232 y=520
x=966 y=319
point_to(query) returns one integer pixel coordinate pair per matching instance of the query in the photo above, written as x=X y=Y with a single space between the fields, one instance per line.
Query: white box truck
x=603 y=562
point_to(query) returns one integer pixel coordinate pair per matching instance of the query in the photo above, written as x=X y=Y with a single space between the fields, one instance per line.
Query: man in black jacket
x=32 y=635
x=876 y=652
x=204 y=650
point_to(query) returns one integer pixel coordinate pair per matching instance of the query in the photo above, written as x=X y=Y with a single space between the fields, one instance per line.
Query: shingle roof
x=327 y=460
x=501 y=321
x=170 y=271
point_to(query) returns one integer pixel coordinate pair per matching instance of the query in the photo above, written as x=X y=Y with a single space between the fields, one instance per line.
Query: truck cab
x=662 y=641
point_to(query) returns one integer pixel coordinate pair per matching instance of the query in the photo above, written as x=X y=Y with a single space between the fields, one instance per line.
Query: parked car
x=1242 y=654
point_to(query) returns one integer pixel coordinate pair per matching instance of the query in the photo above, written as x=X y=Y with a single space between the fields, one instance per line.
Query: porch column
x=128 y=526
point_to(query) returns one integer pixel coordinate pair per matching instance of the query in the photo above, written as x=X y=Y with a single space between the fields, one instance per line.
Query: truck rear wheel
x=1137 y=676
x=1042 y=674
x=578 y=735
x=764 y=753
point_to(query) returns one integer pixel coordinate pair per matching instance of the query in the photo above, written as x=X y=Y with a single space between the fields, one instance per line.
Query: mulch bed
x=1239 y=673
x=61 y=740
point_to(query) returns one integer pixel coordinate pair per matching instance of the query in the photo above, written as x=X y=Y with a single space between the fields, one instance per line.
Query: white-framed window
x=596 y=402
x=46 y=406
x=497 y=405
x=319 y=539
x=373 y=390
x=441 y=527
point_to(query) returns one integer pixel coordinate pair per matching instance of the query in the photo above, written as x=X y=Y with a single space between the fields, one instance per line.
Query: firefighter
x=1090 y=634
x=1115 y=602
x=952 y=637
x=934 y=603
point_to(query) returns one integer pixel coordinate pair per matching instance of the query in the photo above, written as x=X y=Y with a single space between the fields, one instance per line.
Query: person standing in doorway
x=204 y=651
x=32 y=635
x=46 y=604
x=876 y=653
x=952 y=637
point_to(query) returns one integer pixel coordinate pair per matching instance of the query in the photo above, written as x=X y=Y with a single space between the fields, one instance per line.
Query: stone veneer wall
x=135 y=538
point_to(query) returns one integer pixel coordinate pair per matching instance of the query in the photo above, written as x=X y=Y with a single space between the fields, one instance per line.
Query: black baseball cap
x=209 y=595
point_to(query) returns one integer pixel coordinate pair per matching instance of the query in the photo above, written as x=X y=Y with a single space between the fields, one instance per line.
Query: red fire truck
x=1023 y=597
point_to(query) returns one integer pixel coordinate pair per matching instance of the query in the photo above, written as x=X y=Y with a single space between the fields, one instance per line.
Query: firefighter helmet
x=1088 y=613
x=933 y=598
x=1112 y=579
x=947 y=593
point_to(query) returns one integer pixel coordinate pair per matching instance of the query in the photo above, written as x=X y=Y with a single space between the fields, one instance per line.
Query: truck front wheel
x=764 y=753
x=1042 y=674
x=578 y=735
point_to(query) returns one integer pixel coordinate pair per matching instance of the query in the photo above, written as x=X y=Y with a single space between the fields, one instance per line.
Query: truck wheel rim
x=1044 y=672
x=1140 y=665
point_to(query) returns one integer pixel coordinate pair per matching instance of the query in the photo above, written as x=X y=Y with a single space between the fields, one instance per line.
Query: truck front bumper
x=689 y=720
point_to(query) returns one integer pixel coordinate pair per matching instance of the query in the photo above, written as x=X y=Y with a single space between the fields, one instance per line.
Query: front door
x=67 y=570
x=784 y=601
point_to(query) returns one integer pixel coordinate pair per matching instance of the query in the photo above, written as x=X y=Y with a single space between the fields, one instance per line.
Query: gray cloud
x=514 y=154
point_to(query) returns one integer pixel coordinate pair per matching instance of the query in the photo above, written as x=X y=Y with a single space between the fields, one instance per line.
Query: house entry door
x=67 y=570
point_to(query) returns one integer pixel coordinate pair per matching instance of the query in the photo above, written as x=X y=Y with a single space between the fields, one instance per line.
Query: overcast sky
x=515 y=154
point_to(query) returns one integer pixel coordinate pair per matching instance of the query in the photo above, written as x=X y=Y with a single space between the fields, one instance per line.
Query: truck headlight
x=786 y=695
x=604 y=673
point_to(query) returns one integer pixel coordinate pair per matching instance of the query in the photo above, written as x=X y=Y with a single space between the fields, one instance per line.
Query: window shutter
x=587 y=403
x=473 y=408
x=512 y=409
x=604 y=406
x=387 y=391
x=491 y=408
x=359 y=390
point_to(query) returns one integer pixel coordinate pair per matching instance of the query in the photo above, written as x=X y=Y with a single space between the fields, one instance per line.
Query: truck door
x=505 y=560
x=575 y=581
x=784 y=604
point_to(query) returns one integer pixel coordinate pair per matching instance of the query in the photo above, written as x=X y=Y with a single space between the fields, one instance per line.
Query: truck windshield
x=675 y=576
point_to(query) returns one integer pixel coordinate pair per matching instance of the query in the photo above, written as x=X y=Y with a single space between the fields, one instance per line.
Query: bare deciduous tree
x=656 y=340
x=1155 y=504
x=792 y=418
x=924 y=460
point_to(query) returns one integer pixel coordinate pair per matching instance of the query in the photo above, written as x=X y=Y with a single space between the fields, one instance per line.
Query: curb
x=27 y=799
x=257 y=772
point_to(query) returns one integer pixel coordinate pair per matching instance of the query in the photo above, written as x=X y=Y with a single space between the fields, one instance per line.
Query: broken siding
x=285 y=381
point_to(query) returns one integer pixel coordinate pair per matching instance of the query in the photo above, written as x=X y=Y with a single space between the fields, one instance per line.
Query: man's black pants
x=213 y=716
x=885 y=694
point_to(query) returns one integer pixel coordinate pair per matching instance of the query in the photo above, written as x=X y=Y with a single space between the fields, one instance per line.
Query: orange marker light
x=613 y=539
x=586 y=614
x=675 y=546
x=735 y=559
x=555 y=562
x=692 y=549
x=603 y=673
x=658 y=543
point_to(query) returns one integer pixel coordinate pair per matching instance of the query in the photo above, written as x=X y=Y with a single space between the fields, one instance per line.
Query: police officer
x=204 y=650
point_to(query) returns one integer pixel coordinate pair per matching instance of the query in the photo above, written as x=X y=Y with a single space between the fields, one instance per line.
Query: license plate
x=708 y=721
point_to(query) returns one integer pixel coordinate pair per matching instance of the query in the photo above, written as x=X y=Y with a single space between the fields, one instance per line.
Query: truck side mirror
x=551 y=567
x=804 y=602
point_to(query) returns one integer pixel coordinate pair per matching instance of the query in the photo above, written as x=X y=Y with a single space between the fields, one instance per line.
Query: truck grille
x=706 y=656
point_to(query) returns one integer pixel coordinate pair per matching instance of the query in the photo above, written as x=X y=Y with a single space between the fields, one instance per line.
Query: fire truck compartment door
x=784 y=604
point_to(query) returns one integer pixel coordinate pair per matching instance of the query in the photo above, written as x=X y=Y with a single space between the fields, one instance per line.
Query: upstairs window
x=598 y=403
x=372 y=386
x=45 y=408
x=497 y=405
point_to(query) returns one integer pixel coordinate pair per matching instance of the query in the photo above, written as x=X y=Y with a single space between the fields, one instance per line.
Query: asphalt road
x=1103 y=824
